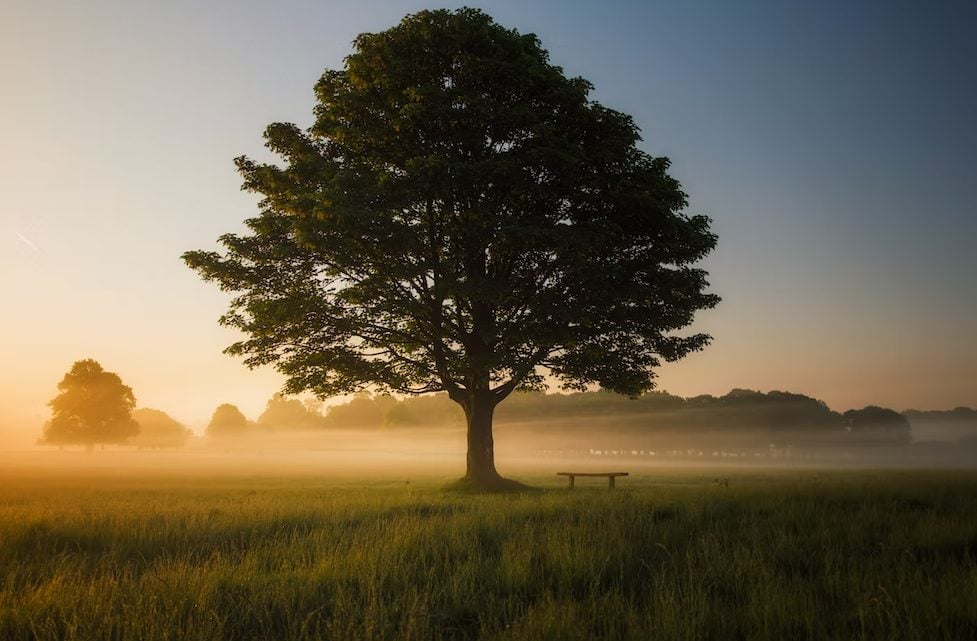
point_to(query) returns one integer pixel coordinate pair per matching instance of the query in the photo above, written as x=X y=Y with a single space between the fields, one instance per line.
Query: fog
x=522 y=448
x=376 y=436
x=17 y=435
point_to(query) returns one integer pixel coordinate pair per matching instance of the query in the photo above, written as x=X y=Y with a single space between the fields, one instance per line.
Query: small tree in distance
x=463 y=218
x=158 y=430
x=227 y=423
x=93 y=407
x=283 y=413
x=879 y=424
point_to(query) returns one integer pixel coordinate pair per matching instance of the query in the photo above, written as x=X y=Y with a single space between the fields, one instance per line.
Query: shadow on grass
x=499 y=486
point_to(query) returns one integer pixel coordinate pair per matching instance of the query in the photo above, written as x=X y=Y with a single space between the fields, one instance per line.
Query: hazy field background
x=244 y=546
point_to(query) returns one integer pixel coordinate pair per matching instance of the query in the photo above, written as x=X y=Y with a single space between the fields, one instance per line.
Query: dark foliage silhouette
x=461 y=217
x=879 y=423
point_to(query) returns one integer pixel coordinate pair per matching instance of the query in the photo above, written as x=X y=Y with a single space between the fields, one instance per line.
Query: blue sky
x=833 y=144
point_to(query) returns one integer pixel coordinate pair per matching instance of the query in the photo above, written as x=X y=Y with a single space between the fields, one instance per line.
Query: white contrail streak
x=27 y=241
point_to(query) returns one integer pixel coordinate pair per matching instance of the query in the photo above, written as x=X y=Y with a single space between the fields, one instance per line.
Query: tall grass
x=669 y=556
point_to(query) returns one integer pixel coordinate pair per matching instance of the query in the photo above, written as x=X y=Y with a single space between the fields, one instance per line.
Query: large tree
x=461 y=217
x=93 y=406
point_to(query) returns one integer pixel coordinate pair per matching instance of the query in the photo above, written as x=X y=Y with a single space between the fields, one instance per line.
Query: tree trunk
x=479 y=409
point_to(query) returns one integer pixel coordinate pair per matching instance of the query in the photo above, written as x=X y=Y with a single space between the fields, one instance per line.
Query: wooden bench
x=610 y=476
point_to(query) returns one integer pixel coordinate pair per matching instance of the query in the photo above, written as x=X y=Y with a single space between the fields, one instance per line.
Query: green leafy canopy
x=92 y=406
x=461 y=217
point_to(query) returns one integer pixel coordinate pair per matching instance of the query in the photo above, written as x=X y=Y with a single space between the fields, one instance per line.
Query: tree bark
x=479 y=410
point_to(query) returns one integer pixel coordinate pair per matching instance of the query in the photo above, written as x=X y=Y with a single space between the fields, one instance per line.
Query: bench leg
x=571 y=481
x=610 y=482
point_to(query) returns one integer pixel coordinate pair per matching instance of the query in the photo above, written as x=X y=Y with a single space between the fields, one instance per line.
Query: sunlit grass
x=669 y=555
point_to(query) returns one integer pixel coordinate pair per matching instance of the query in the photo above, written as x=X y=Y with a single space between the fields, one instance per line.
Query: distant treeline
x=741 y=418
x=94 y=407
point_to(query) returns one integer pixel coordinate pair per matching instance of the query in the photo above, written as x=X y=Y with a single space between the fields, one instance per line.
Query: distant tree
x=737 y=396
x=93 y=407
x=462 y=217
x=432 y=410
x=956 y=424
x=961 y=414
x=400 y=415
x=282 y=413
x=362 y=411
x=703 y=400
x=227 y=423
x=158 y=430
x=315 y=405
x=878 y=424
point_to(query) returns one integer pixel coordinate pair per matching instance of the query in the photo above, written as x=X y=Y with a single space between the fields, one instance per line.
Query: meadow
x=671 y=554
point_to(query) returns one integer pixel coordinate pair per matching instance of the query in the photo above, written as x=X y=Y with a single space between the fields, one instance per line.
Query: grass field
x=669 y=555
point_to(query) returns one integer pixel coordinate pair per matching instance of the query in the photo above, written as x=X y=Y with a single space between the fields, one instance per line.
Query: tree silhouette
x=283 y=413
x=879 y=424
x=93 y=407
x=461 y=217
x=158 y=429
x=227 y=423
x=361 y=411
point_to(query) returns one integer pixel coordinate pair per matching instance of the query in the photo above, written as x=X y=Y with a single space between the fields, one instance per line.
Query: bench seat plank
x=611 y=476
x=592 y=473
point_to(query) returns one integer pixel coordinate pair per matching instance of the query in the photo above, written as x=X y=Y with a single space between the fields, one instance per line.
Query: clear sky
x=834 y=144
